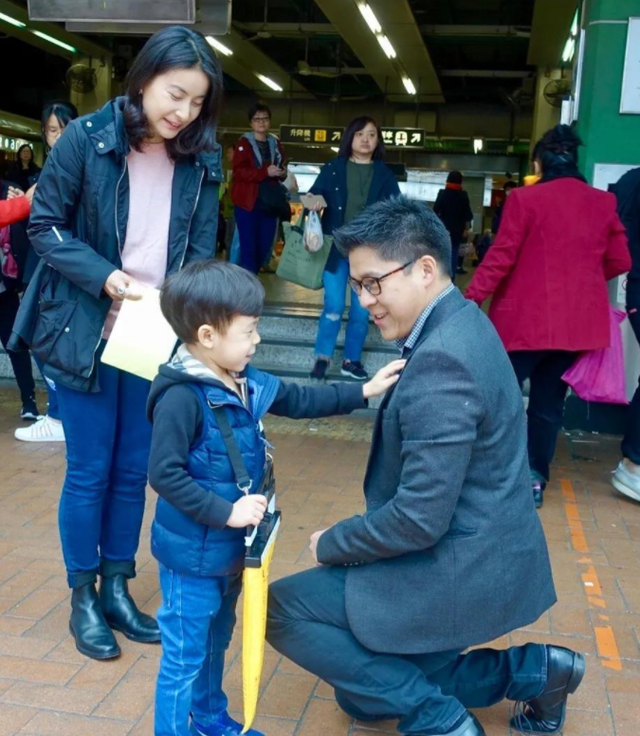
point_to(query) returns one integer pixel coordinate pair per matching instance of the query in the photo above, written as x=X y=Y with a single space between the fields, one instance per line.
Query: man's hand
x=313 y=545
x=383 y=380
x=120 y=286
x=248 y=511
x=30 y=193
x=275 y=171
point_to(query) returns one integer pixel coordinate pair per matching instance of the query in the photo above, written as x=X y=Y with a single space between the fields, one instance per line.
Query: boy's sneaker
x=225 y=726
x=45 y=429
x=626 y=482
x=354 y=369
x=29 y=409
x=320 y=369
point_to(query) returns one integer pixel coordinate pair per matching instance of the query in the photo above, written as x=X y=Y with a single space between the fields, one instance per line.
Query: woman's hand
x=383 y=380
x=14 y=193
x=120 y=286
x=317 y=207
x=275 y=171
x=30 y=193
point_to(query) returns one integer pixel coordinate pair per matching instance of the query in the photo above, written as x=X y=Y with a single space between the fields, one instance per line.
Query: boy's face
x=233 y=350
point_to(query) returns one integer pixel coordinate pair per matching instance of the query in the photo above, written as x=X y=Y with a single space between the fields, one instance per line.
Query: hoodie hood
x=262 y=388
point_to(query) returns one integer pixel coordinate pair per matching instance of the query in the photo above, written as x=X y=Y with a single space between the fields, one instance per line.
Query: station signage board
x=331 y=136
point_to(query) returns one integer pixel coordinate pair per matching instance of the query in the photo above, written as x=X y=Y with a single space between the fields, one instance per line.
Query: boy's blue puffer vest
x=178 y=541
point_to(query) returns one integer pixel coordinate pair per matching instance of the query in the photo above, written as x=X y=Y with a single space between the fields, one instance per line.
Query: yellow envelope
x=141 y=338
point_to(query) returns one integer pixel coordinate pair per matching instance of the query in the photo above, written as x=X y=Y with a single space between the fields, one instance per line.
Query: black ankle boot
x=122 y=614
x=88 y=627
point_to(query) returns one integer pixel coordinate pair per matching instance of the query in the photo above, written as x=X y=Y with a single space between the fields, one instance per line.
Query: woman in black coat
x=453 y=208
x=349 y=183
x=133 y=183
x=23 y=171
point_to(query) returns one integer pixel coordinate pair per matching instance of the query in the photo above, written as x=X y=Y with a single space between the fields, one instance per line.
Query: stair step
x=300 y=356
x=303 y=325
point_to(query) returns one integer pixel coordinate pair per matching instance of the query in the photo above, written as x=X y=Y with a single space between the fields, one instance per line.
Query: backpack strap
x=243 y=479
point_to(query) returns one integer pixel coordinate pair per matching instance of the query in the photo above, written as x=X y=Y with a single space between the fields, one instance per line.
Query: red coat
x=14 y=210
x=247 y=175
x=559 y=243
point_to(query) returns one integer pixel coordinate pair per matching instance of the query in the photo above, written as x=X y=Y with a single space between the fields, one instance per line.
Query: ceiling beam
x=248 y=60
x=282 y=30
x=475 y=30
x=399 y=25
x=486 y=73
x=549 y=31
x=81 y=44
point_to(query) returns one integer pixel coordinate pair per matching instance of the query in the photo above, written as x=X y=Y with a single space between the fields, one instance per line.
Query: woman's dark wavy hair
x=356 y=125
x=175 y=47
x=63 y=111
x=557 y=150
x=32 y=163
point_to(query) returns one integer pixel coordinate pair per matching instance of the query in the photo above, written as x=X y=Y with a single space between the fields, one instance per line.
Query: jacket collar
x=107 y=134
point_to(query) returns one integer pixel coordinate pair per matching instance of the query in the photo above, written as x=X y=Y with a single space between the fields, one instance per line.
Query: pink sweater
x=144 y=253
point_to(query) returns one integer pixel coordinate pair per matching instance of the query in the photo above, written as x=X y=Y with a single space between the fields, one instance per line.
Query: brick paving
x=48 y=689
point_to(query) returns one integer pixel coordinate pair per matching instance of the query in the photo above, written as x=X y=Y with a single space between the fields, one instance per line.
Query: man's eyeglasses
x=372 y=284
x=260 y=120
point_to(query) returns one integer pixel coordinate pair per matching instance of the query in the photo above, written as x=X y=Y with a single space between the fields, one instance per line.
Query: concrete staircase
x=287 y=348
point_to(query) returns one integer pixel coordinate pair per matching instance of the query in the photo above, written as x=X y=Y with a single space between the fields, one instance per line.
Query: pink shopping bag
x=598 y=375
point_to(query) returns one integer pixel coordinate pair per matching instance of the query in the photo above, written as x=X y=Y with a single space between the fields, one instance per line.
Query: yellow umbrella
x=256 y=585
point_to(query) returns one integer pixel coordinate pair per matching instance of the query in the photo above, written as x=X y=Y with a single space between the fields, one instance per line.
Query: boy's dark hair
x=175 y=47
x=455 y=177
x=398 y=229
x=355 y=126
x=209 y=293
x=258 y=107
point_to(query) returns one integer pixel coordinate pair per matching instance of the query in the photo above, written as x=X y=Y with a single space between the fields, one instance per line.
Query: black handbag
x=273 y=199
x=258 y=539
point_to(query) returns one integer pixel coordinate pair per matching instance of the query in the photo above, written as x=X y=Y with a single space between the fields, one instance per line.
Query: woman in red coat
x=560 y=241
x=259 y=167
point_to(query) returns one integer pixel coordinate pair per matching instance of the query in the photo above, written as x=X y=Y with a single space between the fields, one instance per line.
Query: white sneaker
x=624 y=481
x=45 y=429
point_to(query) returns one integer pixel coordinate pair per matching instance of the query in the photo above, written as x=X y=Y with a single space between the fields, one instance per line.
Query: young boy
x=198 y=531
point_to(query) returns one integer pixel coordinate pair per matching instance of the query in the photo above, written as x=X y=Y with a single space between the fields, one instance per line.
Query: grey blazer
x=450 y=552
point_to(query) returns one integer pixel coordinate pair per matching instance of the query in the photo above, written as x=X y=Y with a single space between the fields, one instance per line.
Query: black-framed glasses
x=260 y=120
x=372 y=284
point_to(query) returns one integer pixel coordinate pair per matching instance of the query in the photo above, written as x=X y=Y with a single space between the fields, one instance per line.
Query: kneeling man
x=450 y=552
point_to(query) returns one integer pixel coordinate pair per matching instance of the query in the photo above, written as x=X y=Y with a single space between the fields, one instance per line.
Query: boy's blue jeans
x=335 y=299
x=196 y=620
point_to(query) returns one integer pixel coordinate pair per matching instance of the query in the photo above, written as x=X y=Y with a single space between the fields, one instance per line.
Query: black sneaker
x=354 y=369
x=320 y=369
x=29 y=410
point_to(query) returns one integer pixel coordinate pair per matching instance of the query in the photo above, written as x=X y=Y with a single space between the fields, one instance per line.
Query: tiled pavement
x=48 y=689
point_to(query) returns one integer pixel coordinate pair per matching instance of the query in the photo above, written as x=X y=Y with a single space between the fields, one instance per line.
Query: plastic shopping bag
x=598 y=375
x=313 y=236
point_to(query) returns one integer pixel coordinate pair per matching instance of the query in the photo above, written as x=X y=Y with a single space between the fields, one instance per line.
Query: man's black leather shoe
x=546 y=713
x=122 y=614
x=88 y=627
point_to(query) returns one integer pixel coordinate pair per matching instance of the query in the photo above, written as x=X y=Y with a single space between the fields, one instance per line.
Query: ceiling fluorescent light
x=55 y=41
x=219 y=46
x=478 y=145
x=269 y=82
x=12 y=21
x=574 y=25
x=386 y=46
x=569 y=50
x=370 y=17
x=408 y=85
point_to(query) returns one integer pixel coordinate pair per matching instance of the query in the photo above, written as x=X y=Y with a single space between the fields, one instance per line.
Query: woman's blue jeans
x=102 y=503
x=53 y=409
x=335 y=300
